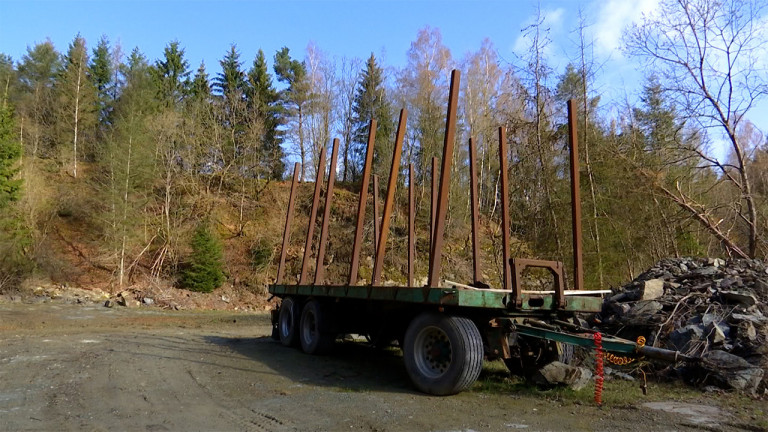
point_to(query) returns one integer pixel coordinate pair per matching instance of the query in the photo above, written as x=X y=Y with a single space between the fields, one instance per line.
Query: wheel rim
x=286 y=324
x=432 y=352
x=308 y=327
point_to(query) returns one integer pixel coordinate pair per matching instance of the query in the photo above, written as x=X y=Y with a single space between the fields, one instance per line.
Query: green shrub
x=205 y=270
x=261 y=254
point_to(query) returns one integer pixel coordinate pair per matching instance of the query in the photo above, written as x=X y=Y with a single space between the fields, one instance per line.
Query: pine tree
x=205 y=271
x=371 y=102
x=263 y=101
x=294 y=100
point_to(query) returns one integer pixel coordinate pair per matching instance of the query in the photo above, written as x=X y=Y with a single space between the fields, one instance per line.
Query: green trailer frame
x=446 y=329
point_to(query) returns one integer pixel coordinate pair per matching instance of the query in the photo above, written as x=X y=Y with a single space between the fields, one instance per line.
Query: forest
x=136 y=170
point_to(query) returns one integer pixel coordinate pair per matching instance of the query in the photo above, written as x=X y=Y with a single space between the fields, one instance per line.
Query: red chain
x=598 y=369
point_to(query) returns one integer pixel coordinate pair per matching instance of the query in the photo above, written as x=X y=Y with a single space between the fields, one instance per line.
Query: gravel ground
x=87 y=367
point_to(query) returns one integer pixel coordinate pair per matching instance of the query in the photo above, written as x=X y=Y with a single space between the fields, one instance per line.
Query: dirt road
x=74 y=367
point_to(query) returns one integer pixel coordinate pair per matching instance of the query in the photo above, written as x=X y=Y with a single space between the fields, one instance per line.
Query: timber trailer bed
x=445 y=329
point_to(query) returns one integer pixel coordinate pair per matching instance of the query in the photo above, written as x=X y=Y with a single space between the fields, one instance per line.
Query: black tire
x=314 y=321
x=443 y=354
x=288 y=322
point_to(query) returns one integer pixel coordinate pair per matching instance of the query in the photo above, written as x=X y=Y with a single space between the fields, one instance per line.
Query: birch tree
x=77 y=99
x=707 y=54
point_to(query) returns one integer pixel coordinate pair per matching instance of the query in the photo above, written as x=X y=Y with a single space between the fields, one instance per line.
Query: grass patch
x=495 y=378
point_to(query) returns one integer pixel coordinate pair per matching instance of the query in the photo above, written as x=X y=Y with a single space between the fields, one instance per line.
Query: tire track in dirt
x=248 y=419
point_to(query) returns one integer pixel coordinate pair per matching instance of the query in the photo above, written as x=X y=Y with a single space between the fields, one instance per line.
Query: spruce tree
x=171 y=75
x=371 y=102
x=201 y=88
x=231 y=80
x=7 y=79
x=102 y=75
x=10 y=151
x=205 y=271
x=264 y=101
x=37 y=73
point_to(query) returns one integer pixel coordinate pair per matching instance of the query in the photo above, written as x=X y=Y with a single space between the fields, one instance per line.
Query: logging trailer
x=445 y=329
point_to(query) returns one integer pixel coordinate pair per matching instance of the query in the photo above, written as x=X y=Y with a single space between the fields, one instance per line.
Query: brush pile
x=702 y=307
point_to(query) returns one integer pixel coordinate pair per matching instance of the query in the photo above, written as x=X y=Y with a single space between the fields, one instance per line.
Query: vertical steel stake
x=385 y=220
x=504 y=209
x=319 y=269
x=361 y=204
x=433 y=203
x=287 y=230
x=435 y=257
x=312 y=216
x=478 y=278
x=578 y=266
x=376 y=225
x=411 y=228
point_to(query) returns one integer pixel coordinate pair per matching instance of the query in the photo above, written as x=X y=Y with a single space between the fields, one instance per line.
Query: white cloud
x=612 y=17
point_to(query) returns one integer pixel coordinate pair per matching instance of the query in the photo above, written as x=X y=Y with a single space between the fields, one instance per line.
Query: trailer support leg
x=435 y=257
x=287 y=230
x=312 y=216
x=361 y=204
x=389 y=201
x=319 y=269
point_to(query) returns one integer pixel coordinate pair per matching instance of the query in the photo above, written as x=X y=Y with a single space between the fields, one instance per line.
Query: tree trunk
x=77 y=115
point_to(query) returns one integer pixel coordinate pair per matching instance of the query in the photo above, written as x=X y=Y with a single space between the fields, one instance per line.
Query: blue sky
x=340 y=28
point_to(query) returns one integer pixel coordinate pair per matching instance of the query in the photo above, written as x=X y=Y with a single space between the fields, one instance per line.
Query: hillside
x=71 y=249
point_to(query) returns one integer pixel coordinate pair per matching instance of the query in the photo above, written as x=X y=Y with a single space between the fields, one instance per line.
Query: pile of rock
x=708 y=308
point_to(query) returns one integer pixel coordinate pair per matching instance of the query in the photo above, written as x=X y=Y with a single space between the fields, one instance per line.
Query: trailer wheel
x=313 y=319
x=288 y=322
x=443 y=354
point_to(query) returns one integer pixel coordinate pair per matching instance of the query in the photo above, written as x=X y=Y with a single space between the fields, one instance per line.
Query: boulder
x=718 y=332
x=681 y=338
x=715 y=262
x=558 y=373
x=706 y=271
x=732 y=371
x=739 y=298
x=653 y=289
x=644 y=308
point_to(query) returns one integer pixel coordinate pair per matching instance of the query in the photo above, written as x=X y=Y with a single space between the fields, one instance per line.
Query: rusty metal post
x=375 y=213
x=475 y=213
x=411 y=228
x=312 y=216
x=578 y=266
x=433 y=203
x=319 y=269
x=435 y=256
x=361 y=204
x=287 y=230
x=504 y=209
x=389 y=200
